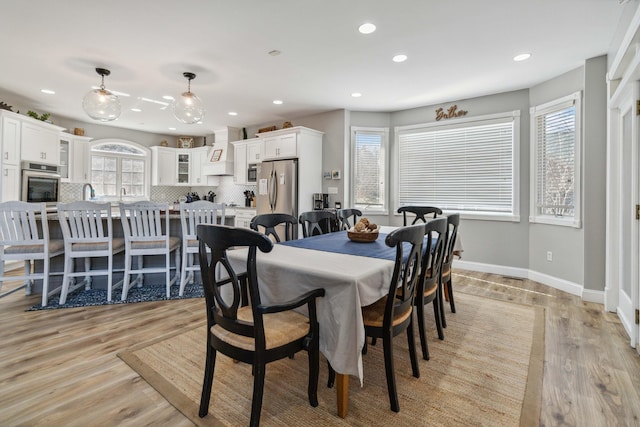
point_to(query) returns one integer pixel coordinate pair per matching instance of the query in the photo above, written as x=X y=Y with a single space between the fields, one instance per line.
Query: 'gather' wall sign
x=450 y=113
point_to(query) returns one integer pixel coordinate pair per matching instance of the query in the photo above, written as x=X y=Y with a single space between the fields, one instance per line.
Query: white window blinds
x=555 y=161
x=469 y=167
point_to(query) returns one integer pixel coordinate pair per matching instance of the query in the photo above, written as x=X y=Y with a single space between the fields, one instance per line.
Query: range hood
x=220 y=154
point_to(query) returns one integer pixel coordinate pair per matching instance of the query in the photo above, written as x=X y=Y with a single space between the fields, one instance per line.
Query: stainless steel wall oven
x=40 y=183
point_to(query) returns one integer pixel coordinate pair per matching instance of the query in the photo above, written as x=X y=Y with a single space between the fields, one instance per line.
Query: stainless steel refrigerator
x=277 y=186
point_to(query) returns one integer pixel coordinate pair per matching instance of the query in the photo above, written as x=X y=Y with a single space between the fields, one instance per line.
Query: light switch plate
x=332 y=190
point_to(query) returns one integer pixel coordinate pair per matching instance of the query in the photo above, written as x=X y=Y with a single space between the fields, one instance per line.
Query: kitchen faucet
x=92 y=192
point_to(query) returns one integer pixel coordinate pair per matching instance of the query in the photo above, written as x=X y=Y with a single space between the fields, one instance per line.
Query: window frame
x=512 y=116
x=147 y=167
x=384 y=132
x=556 y=105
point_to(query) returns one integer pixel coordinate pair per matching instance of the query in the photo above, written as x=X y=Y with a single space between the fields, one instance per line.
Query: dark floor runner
x=82 y=298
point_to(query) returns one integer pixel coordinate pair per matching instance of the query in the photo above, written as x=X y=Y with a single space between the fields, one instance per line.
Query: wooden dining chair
x=430 y=283
x=24 y=236
x=87 y=230
x=422 y=213
x=344 y=215
x=453 y=221
x=146 y=233
x=191 y=215
x=258 y=333
x=267 y=223
x=316 y=222
x=393 y=314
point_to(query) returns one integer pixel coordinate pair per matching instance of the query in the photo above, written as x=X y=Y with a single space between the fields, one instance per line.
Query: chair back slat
x=221 y=309
x=422 y=213
x=344 y=216
x=269 y=222
x=19 y=223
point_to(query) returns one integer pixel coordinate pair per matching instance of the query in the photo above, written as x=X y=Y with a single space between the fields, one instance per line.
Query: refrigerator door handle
x=273 y=190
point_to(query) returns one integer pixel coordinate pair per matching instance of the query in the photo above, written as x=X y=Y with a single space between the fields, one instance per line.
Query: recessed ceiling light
x=232 y=113
x=274 y=52
x=367 y=28
x=277 y=102
x=167 y=97
x=172 y=128
x=48 y=91
x=522 y=57
x=356 y=94
x=137 y=110
x=399 y=58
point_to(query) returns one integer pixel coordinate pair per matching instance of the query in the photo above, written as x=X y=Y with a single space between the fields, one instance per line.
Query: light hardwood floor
x=59 y=367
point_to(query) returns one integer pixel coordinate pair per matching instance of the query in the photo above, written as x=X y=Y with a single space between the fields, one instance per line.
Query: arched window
x=120 y=168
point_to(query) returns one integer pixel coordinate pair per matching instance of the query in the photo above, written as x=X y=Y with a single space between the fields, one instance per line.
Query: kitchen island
x=100 y=282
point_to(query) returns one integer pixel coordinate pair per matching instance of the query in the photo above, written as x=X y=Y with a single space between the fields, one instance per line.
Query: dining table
x=353 y=275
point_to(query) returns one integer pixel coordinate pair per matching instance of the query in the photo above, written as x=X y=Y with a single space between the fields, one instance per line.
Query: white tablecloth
x=350 y=282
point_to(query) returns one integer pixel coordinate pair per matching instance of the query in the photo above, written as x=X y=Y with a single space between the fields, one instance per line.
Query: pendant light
x=100 y=104
x=188 y=107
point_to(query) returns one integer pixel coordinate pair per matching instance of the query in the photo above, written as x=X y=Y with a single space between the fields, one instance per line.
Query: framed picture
x=335 y=174
x=216 y=155
x=326 y=175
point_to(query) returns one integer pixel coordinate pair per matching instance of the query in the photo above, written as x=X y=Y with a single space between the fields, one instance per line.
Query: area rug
x=82 y=298
x=487 y=372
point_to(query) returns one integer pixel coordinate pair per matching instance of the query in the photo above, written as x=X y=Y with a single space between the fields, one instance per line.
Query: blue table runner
x=339 y=242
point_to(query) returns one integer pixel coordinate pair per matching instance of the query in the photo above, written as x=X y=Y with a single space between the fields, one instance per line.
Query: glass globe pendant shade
x=188 y=107
x=100 y=104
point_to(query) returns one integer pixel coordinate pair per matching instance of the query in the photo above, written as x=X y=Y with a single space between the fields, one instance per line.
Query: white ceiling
x=457 y=49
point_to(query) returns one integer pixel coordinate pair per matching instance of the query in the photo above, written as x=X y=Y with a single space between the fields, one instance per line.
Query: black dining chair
x=453 y=221
x=430 y=283
x=258 y=333
x=316 y=222
x=267 y=223
x=422 y=213
x=344 y=216
x=393 y=314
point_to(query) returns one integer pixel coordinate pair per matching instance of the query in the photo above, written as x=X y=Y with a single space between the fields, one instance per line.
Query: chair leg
x=207 y=382
x=127 y=277
x=422 y=332
x=411 y=340
x=167 y=273
x=183 y=271
x=314 y=369
x=387 y=343
x=68 y=263
x=258 y=389
x=436 y=311
x=441 y=305
x=450 y=293
x=332 y=376
x=45 y=282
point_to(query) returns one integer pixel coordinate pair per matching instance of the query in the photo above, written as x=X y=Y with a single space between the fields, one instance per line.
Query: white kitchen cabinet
x=10 y=139
x=254 y=151
x=80 y=159
x=163 y=165
x=10 y=183
x=40 y=142
x=199 y=156
x=240 y=162
x=281 y=145
x=183 y=166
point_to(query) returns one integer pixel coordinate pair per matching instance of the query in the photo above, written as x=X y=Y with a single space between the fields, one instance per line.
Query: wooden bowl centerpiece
x=363 y=232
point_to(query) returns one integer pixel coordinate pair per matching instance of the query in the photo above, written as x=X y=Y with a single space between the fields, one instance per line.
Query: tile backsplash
x=226 y=192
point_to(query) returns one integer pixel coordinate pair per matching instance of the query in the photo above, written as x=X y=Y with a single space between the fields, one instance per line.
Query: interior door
x=628 y=299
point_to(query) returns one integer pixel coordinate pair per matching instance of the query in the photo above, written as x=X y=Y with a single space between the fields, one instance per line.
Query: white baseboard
x=524 y=273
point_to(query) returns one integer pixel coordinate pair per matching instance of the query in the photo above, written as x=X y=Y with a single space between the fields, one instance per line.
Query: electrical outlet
x=549 y=256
